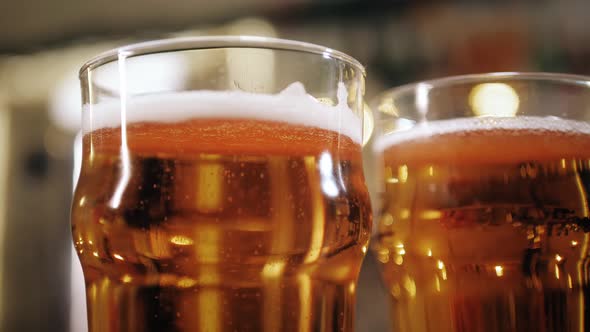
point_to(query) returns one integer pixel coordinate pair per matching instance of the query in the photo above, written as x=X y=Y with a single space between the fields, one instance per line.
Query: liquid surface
x=485 y=228
x=221 y=225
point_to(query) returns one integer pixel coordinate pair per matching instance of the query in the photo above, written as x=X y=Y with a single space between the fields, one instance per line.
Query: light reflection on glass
x=387 y=107
x=431 y=214
x=328 y=182
x=210 y=187
x=403 y=173
x=186 y=282
x=392 y=180
x=383 y=255
x=368 y=124
x=125 y=159
x=404 y=213
x=494 y=99
x=499 y=270
x=273 y=268
x=422 y=98
x=318 y=214
x=410 y=286
x=387 y=219
x=304 y=306
x=181 y=240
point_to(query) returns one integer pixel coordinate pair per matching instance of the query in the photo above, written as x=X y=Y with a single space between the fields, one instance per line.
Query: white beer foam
x=461 y=127
x=292 y=105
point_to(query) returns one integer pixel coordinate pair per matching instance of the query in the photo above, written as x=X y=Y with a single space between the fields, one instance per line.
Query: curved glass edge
x=398 y=92
x=216 y=42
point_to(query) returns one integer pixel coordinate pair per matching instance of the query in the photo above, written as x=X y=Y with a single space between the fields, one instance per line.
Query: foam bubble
x=292 y=105
x=513 y=126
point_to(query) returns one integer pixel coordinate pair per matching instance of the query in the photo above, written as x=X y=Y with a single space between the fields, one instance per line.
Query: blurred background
x=43 y=43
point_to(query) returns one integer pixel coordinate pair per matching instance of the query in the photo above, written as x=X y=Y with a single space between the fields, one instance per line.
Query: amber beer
x=484 y=225
x=223 y=225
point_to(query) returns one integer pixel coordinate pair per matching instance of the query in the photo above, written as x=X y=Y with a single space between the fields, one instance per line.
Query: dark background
x=43 y=43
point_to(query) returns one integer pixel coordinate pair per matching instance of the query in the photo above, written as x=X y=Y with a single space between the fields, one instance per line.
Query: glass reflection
x=494 y=99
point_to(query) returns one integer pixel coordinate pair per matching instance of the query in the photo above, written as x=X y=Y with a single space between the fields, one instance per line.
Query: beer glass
x=221 y=186
x=483 y=212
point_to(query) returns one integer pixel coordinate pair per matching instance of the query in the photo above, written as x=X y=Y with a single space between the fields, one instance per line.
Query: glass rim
x=216 y=42
x=396 y=92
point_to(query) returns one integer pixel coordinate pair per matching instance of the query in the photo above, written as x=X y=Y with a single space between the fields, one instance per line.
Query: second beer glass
x=483 y=221
x=221 y=187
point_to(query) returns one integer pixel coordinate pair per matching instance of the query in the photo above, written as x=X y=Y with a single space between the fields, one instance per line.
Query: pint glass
x=483 y=213
x=221 y=186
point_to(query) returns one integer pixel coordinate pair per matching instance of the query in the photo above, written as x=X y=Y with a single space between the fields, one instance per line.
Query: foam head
x=292 y=105
x=512 y=126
